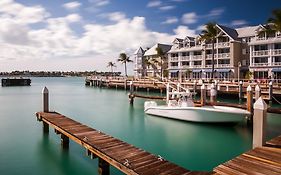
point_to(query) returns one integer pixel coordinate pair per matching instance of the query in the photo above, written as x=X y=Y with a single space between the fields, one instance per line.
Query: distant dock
x=16 y=81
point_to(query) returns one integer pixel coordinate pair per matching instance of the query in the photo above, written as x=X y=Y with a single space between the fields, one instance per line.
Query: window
x=185 y=54
x=197 y=62
x=260 y=47
x=261 y=60
x=174 y=64
x=209 y=62
x=224 y=61
x=197 y=53
x=174 y=55
x=185 y=63
x=277 y=46
x=224 y=50
x=244 y=51
x=277 y=59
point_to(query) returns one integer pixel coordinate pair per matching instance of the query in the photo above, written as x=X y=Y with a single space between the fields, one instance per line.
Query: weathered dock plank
x=261 y=160
x=125 y=157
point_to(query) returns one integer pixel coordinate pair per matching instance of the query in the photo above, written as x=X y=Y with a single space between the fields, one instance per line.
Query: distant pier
x=16 y=81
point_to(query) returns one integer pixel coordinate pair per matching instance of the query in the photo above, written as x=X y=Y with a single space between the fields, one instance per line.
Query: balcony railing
x=173 y=67
x=276 y=52
x=185 y=58
x=259 y=64
x=223 y=65
x=185 y=66
x=220 y=55
x=196 y=66
x=196 y=57
x=174 y=59
x=221 y=44
x=276 y=64
x=260 y=53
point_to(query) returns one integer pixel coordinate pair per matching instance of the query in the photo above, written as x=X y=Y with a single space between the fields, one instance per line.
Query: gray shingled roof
x=246 y=31
x=232 y=33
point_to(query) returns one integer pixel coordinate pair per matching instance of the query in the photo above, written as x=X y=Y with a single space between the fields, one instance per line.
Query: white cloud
x=116 y=16
x=215 y=12
x=238 y=22
x=170 y=20
x=167 y=7
x=72 y=5
x=200 y=28
x=190 y=18
x=178 y=0
x=56 y=41
x=154 y=3
x=22 y=14
x=99 y=2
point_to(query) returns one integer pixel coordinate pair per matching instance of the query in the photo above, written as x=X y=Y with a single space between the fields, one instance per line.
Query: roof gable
x=231 y=33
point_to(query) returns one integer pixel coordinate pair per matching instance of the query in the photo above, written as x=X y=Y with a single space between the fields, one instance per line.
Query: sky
x=68 y=35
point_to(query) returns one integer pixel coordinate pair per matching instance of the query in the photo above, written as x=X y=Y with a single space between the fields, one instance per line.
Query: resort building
x=148 y=63
x=265 y=54
x=192 y=58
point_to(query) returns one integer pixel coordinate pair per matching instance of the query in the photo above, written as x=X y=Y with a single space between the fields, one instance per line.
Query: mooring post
x=257 y=92
x=249 y=99
x=259 y=123
x=167 y=92
x=45 y=93
x=125 y=84
x=194 y=88
x=131 y=87
x=203 y=95
x=213 y=94
x=103 y=167
x=64 y=141
x=240 y=90
x=270 y=91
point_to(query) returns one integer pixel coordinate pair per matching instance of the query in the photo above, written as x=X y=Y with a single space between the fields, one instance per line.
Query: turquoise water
x=25 y=150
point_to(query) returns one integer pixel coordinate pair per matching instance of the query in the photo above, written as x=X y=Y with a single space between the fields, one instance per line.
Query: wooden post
x=259 y=123
x=103 y=167
x=213 y=94
x=203 y=95
x=125 y=84
x=45 y=93
x=257 y=92
x=240 y=90
x=64 y=141
x=194 y=88
x=131 y=87
x=249 y=99
x=167 y=93
x=270 y=91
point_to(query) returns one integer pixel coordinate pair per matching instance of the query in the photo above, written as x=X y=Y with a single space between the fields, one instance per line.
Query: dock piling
x=270 y=91
x=240 y=90
x=257 y=92
x=103 y=167
x=203 y=95
x=249 y=99
x=45 y=93
x=259 y=123
x=64 y=141
x=213 y=94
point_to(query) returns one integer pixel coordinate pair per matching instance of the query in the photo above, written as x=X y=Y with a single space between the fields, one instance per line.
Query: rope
x=276 y=100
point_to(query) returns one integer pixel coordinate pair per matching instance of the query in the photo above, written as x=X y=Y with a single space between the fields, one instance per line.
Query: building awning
x=173 y=71
x=196 y=70
x=223 y=70
x=208 y=70
x=276 y=70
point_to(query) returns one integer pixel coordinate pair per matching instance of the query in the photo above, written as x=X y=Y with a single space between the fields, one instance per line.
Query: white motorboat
x=184 y=109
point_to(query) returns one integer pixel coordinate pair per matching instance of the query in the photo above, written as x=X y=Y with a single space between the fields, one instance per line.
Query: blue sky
x=86 y=34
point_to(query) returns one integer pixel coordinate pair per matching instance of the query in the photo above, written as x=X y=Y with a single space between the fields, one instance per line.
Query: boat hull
x=208 y=114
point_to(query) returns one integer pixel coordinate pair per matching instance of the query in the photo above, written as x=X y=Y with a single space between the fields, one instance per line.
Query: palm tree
x=111 y=65
x=273 y=24
x=161 y=55
x=210 y=34
x=124 y=59
x=154 y=62
x=146 y=64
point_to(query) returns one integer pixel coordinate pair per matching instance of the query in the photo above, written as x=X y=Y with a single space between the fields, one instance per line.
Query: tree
x=154 y=62
x=161 y=55
x=124 y=59
x=111 y=65
x=210 y=34
x=273 y=23
x=146 y=64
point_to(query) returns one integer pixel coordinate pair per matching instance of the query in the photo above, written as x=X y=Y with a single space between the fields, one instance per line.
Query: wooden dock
x=261 y=160
x=110 y=151
x=16 y=81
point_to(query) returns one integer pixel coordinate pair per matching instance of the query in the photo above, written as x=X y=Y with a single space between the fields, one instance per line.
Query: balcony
x=223 y=65
x=276 y=64
x=196 y=66
x=196 y=57
x=174 y=59
x=185 y=58
x=221 y=44
x=260 y=53
x=276 y=52
x=220 y=55
x=173 y=67
x=185 y=66
x=209 y=65
x=259 y=64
